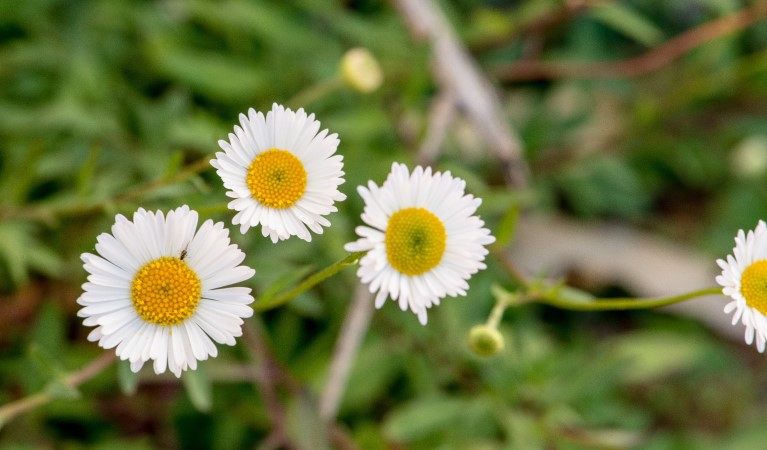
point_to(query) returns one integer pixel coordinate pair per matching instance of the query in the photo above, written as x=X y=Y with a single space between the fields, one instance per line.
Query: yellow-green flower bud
x=360 y=70
x=485 y=340
x=749 y=157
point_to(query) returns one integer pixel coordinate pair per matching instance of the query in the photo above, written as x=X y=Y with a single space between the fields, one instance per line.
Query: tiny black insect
x=183 y=255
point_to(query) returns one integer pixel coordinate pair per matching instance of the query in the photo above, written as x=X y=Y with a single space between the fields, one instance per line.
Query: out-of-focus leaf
x=505 y=231
x=198 y=387
x=217 y=75
x=629 y=22
x=126 y=378
x=304 y=424
x=424 y=416
x=655 y=354
x=372 y=374
x=46 y=362
x=21 y=253
x=604 y=186
x=48 y=332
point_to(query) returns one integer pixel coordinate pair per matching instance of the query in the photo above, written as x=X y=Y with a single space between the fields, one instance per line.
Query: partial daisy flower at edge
x=282 y=173
x=423 y=240
x=158 y=290
x=744 y=280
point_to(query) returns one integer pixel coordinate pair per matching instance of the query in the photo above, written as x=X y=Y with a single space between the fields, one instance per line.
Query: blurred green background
x=100 y=98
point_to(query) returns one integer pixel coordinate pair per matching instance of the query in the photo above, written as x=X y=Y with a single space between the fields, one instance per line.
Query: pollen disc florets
x=165 y=291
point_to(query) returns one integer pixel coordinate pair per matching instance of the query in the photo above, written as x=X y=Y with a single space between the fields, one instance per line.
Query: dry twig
x=352 y=332
x=458 y=73
x=640 y=65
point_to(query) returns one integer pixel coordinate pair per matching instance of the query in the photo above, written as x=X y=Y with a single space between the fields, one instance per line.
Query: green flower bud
x=485 y=340
x=360 y=70
x=749 y=157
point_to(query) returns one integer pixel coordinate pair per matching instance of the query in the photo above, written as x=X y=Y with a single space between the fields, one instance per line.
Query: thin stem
x=13 y=409
x=308 y=283
x=494 y=319
x=609 y=304
x=315 y=92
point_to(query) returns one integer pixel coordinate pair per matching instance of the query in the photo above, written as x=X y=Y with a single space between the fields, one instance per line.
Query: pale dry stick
x=441 y=114
x=640 y=65
x=74 y=380
x=353 y=330
x=457 y=72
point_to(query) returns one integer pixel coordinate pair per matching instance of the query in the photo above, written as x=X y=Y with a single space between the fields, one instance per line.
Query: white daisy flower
x=157 y=290
x=423 y=240
x=744 y=279
x=281 y=172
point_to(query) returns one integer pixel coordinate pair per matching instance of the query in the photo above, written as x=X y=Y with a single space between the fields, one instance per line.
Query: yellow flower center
x=276 y=178
x=753 y=285
x=415 y=241
x=165 y=291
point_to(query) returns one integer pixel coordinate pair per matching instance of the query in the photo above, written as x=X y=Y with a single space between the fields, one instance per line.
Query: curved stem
x=13 y=409
x=610 y=304
x=308 y=283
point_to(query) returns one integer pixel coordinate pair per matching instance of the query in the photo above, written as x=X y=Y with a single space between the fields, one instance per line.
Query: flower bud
x=749 y=157
x=485 y=340
x=360 y=70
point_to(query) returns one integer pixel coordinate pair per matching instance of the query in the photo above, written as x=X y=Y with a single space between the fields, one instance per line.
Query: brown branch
x=640 y=65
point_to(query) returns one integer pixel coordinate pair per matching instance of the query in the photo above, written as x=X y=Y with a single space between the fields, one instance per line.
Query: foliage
x=101 y=99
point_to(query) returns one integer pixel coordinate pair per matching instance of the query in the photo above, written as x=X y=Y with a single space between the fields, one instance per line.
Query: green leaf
x=424 y=416
x=653 y=354
x=629 y=22
x=199 y=388
x=508 y=225
x=45 y=362
x=126 y=378
x=573 y=295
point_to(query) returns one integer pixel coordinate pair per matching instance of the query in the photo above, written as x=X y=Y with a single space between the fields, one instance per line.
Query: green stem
x=609 y=304
x=496 y=314
x=315 y=92
x=13 y=409
x=313 y=280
